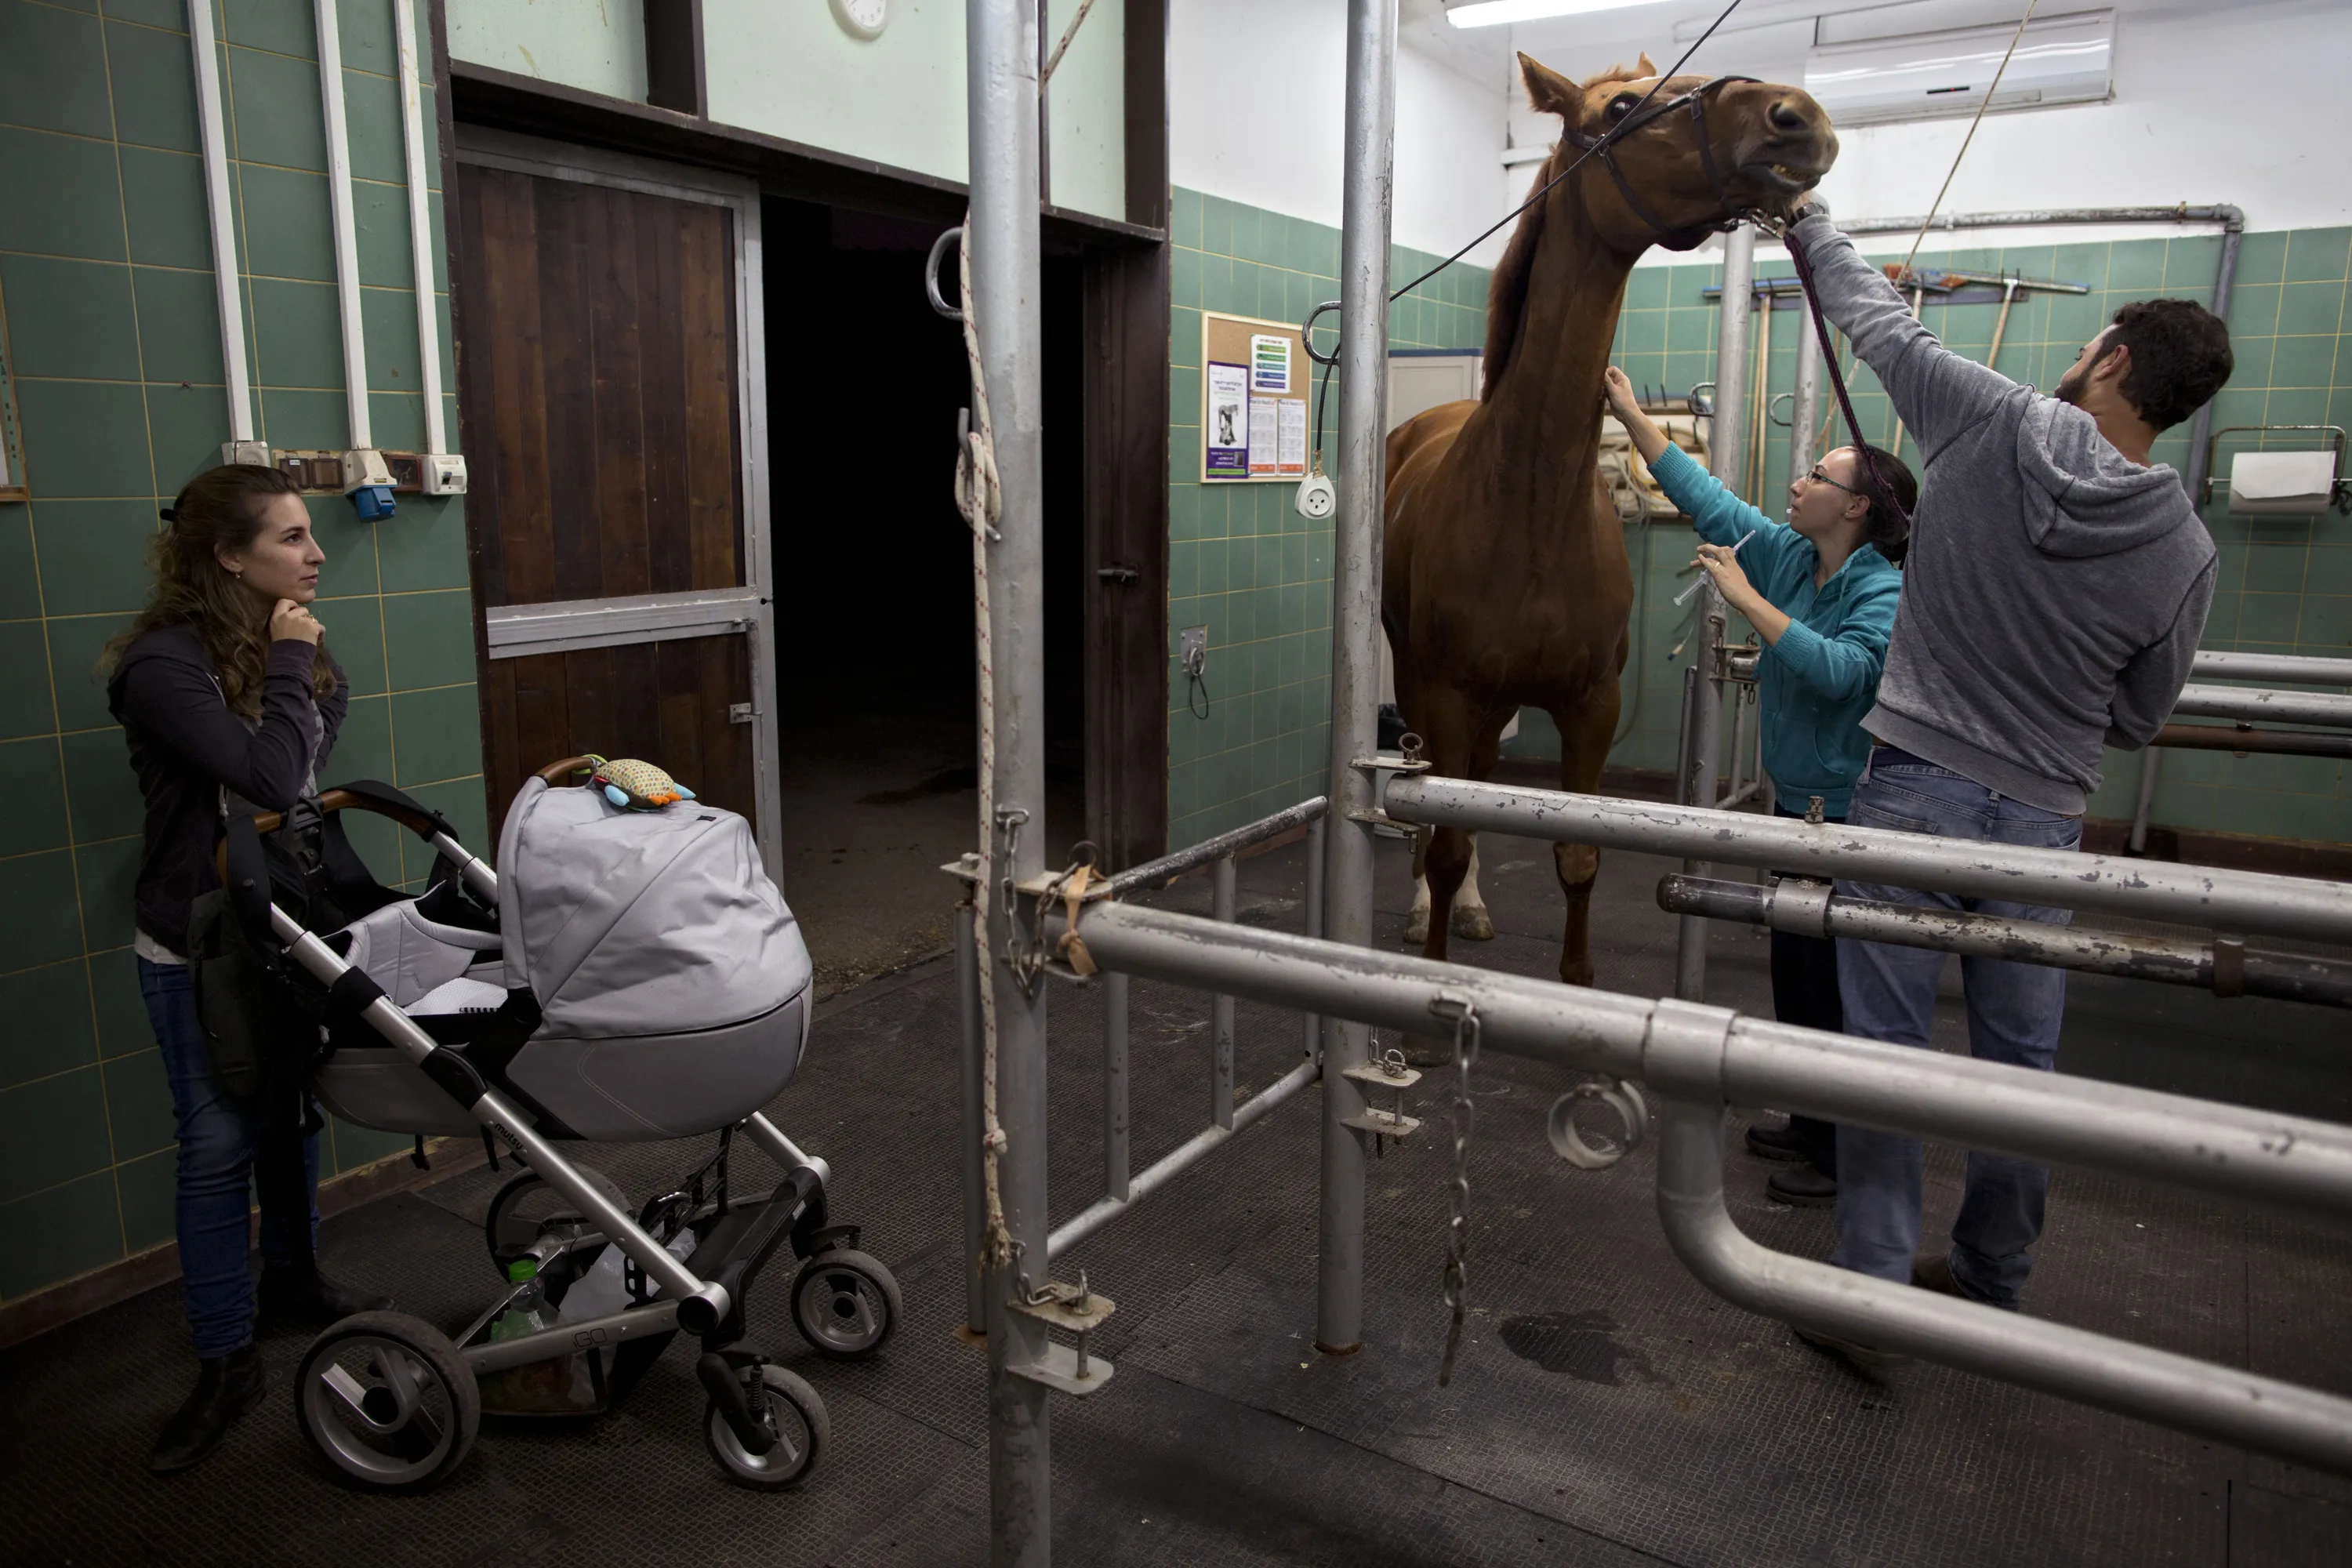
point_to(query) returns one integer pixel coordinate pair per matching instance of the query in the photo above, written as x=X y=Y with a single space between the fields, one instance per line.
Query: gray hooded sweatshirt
x=2055 y=589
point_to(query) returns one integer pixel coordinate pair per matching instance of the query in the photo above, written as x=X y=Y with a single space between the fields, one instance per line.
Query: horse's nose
x=1786 y=116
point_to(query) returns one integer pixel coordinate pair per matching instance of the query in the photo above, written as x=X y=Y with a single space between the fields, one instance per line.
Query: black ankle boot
x=226 y=1387
x=290 y=1293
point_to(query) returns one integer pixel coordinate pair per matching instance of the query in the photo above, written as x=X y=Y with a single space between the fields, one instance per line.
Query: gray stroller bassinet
x=625 y=975
x=667 y=977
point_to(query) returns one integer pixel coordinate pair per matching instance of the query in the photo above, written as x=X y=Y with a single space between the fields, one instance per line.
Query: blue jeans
x=1889 y=994
x=219 y=1147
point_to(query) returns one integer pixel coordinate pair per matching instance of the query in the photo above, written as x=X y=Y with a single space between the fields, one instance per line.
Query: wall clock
x=862 y=18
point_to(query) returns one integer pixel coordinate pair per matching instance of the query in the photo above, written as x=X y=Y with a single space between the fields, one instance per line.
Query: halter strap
x=1603 y=147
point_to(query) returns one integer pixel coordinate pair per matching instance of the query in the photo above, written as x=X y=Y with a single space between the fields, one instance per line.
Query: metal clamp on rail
x=1682 y=1048
x=1385 y=1071
x=1409 y=761
x=1799 y=905
x=1075 y=1310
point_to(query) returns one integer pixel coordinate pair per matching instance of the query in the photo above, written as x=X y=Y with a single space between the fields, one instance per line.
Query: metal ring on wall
x=1567 y=1141
x=931 y=274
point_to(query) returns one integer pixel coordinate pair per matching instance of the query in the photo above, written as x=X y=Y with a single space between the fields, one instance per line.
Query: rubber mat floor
x=1607 y=1409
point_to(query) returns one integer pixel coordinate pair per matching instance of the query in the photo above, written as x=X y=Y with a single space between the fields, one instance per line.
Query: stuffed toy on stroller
x=629 y=973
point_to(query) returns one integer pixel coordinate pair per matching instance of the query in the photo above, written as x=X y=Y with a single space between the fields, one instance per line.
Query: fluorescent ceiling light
x=1495 y=12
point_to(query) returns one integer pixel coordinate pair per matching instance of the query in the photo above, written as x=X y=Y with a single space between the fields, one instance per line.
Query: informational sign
x=1269 y=363
x=1290 y=439
x=1225 y=440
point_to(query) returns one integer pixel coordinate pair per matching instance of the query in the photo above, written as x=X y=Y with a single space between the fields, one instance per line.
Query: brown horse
x=1506 y=581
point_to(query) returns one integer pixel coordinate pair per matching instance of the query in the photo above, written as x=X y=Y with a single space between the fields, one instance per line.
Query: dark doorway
x=874 y=588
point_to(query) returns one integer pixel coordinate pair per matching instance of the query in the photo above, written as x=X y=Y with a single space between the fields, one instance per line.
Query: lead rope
x=980 y=498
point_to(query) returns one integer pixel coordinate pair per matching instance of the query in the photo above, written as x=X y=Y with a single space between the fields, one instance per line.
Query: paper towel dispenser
x=2295 y=483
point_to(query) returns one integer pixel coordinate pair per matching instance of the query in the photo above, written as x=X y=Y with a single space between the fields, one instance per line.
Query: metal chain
x=1465 y=1015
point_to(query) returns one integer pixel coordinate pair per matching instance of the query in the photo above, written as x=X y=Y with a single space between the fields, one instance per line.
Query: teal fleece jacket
x=1821 y=677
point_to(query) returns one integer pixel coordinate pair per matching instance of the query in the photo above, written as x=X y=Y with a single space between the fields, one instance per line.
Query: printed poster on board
x=1225 y=439
x=1269 y=363
x=1291 y=443
x=1262 y=440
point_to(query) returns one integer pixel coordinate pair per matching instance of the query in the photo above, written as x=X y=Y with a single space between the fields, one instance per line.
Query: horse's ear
x=1643 y=67
x=1551 y=92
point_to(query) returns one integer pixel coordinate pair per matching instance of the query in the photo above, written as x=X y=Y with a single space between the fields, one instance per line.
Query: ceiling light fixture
x=1495 y=12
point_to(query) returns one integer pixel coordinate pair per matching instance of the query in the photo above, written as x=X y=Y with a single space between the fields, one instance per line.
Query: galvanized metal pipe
x=1221 y=1016
x=2252 y=703
x=970 y=1162
x=1183 y=1157
x=1001 y=93
x=2217 y=665
x=1115 y=1041
x=1318 y=836
x=1700 y=1058
x=2206 y=896
x=1367 y=164
x=2261 y=1155
x=2225 y=966
x=2042 y=217
x=2251 y=742
x=1153 y=875
x=1726 y=436
x=2220 y=1403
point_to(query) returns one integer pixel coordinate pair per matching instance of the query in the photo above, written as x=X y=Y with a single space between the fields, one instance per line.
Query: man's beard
x=2069 y=388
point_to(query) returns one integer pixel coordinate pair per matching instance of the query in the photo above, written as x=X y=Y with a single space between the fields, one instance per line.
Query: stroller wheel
x=527 y=1208
x=802 y=1432
x=388 y=1401
x=845 y=1303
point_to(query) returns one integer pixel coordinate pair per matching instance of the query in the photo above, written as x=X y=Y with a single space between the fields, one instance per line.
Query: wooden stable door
x=610 y=360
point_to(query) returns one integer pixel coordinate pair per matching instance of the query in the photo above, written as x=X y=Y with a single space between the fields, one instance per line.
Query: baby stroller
x=632 y=974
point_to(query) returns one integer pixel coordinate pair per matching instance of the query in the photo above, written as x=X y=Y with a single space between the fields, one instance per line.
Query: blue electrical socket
x=372 y=502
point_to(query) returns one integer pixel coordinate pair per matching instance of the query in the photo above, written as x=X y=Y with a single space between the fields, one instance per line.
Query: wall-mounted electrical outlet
x=254 y=452
x=445 y=474
x=1192 y=650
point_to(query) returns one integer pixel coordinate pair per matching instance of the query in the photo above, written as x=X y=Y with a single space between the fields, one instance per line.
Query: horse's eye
x=1621 y=105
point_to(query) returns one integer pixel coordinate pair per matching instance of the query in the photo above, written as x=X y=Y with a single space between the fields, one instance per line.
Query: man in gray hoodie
x=2056 y=586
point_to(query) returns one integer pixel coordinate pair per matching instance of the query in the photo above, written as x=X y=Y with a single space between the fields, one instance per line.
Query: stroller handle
x=555 y=774
x=424 y=823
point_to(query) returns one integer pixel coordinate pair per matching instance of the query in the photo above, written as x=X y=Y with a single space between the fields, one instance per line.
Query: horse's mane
x=1507 y=288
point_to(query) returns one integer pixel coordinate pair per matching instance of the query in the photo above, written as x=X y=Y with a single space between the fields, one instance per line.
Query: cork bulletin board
x=1256 y=393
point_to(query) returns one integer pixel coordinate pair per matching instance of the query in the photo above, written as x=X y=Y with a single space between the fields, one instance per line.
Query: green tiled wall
x=106 y=287
x=2285 y=582
x=1242 y=562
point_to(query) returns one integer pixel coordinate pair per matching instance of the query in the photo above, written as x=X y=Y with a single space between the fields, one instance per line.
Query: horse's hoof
x=1579 y=973
x=1472 y=925
x=1417 y=928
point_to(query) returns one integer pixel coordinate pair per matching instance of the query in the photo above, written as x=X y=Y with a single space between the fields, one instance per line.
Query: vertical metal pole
x=1000 y=66
x=1115 y=1182
x=2225 y=278
x=1805 y=398
x=1318 y=834
x=1221 y=1016
x=1369 y=156
x=1727 y=441
x=975 y=1201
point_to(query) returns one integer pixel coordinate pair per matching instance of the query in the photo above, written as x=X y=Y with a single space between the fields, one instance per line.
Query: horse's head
x=1699 y=154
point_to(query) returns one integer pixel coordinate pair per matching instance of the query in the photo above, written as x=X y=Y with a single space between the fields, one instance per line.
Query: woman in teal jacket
x=1819 y=589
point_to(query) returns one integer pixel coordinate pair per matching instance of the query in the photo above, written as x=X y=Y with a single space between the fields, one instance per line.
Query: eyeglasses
x=1818 y=478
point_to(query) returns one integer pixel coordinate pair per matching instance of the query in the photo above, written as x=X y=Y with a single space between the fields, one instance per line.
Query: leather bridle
x=1694 y=102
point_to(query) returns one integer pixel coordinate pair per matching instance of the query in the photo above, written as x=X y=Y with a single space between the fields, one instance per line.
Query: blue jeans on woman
x=219 y=1146
x=1889 y=994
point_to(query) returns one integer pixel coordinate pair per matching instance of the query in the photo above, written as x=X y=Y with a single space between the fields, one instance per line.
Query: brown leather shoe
x=1933 y=1271
x=1775 y=1143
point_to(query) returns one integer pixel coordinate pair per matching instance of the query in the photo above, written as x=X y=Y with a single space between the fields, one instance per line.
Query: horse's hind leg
x=1584 y=736
x=1470 y=920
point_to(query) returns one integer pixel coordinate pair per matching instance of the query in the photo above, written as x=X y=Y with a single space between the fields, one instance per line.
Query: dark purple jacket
x=186 y=745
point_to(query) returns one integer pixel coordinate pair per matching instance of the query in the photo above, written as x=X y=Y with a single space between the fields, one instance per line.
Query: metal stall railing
x=1122 y=1187
x=1702 y=1059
